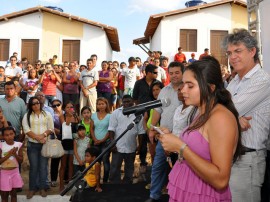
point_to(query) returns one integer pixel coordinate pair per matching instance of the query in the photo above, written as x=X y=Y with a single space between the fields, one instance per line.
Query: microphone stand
x=79 y=175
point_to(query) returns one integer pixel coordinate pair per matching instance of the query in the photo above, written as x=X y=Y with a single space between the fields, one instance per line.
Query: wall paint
x=24 y=27
x=53 y=34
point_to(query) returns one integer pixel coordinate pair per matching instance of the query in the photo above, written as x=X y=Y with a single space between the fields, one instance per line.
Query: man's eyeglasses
x=40 y=95
x=35 y=103
x=154 y=72
x=57 y=105
x=235 y=52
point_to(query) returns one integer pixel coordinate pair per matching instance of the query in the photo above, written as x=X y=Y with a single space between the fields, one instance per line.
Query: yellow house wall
x=56 y=28
x=239 y=17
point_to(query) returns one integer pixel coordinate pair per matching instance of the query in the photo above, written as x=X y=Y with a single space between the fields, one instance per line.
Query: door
x=30 y=50
x=71 y=50
x=216 y=49
x=4 y=49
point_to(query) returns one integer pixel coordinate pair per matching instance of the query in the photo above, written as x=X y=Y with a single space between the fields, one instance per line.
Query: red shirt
x=203 y=55
x=49 y=85
x=179 y=57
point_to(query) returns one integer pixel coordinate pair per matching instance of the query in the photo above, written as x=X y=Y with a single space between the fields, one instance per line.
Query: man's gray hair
x=239 y=36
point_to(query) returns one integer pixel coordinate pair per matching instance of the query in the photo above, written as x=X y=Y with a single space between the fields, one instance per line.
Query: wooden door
x=216 y=48
x=4 y=49
x=30 y=50
x=71 y=50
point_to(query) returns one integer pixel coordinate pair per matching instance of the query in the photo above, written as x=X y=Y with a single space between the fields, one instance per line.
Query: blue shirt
x=100 y=126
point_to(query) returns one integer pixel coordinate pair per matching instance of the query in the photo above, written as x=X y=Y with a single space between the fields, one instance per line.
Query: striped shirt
x=167 y=113
x=39 y=124
x=251 y=96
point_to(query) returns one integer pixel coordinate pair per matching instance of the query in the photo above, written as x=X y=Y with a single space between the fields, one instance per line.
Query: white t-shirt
x=161 y=74
x=9 y=71
x=130 y=76
x=88 y=77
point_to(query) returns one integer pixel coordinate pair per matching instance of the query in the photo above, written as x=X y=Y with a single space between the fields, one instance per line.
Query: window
x=4 y=49
x=71 y=50
x=188 y=40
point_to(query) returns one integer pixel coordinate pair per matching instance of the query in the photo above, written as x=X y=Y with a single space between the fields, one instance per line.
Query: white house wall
x=156 y=39
x=213 y=18
x=95 y=41
x=24 y=27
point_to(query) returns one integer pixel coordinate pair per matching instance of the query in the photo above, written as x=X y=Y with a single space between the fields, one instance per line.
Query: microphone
x=147 y=106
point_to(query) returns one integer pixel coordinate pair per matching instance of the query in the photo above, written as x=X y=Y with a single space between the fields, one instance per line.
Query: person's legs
x=83 y=101
x=43 y=170
x=4 y=196
x=159 y=173
x=266 y=184
x=247 y=176
x=115 y=172
x=54 y=168
x=13 y=195
x=62 y=171
x=92 y=99
x=70 y=167
x=33 y=155
x=143 y=151
x=106 y=164
x=129 y=167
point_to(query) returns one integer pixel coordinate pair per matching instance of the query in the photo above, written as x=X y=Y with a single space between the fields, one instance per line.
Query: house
x=195 y=28
x=41 y=32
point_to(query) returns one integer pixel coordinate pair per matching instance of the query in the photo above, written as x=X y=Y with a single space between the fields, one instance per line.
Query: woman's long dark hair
x=207 y=72
x=30 y=110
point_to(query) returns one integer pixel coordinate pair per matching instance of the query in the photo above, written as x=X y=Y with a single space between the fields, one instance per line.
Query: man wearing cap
x=206 y=53
x=192 y=59
x=130 y=75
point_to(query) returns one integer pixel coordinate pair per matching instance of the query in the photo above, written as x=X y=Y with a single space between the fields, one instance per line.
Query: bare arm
x=222 y=142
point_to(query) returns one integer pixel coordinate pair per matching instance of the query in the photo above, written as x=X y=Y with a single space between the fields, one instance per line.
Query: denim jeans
x=159 y=175
x=38 y=167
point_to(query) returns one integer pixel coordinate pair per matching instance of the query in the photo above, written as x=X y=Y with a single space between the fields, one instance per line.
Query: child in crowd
x=86 y=121
x=93 y=175
x=10 y=157
x=31 y=84
x=80 y=145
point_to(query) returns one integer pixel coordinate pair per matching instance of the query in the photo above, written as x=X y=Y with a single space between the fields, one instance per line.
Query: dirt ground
x=55 y=190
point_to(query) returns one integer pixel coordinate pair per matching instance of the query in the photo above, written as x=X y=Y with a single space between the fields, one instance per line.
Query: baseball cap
x=192 y=54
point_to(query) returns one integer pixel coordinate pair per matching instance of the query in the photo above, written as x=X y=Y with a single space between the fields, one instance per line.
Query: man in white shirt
x=250 y=90
x=126 y=147
x=161 y=72
x=130 y=75
x=13 y=71
x=88 y=82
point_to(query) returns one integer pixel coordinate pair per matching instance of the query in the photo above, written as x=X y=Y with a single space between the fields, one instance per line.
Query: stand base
x=117 y=193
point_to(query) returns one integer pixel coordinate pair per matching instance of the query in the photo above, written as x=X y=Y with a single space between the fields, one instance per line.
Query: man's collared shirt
x=118 y=124
x=251 y=97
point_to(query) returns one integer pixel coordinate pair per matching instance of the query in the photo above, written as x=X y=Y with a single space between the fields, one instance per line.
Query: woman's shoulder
x=221 y=117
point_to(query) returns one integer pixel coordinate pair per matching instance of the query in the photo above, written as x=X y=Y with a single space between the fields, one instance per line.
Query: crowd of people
x=213 y=134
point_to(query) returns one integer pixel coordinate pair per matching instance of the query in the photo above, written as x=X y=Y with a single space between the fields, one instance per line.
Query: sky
x=130 y=17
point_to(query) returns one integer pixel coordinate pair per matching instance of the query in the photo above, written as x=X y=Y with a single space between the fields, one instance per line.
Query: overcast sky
x=130 y=17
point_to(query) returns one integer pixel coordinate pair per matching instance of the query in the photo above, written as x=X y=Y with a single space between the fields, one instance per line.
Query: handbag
x=52 y=148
